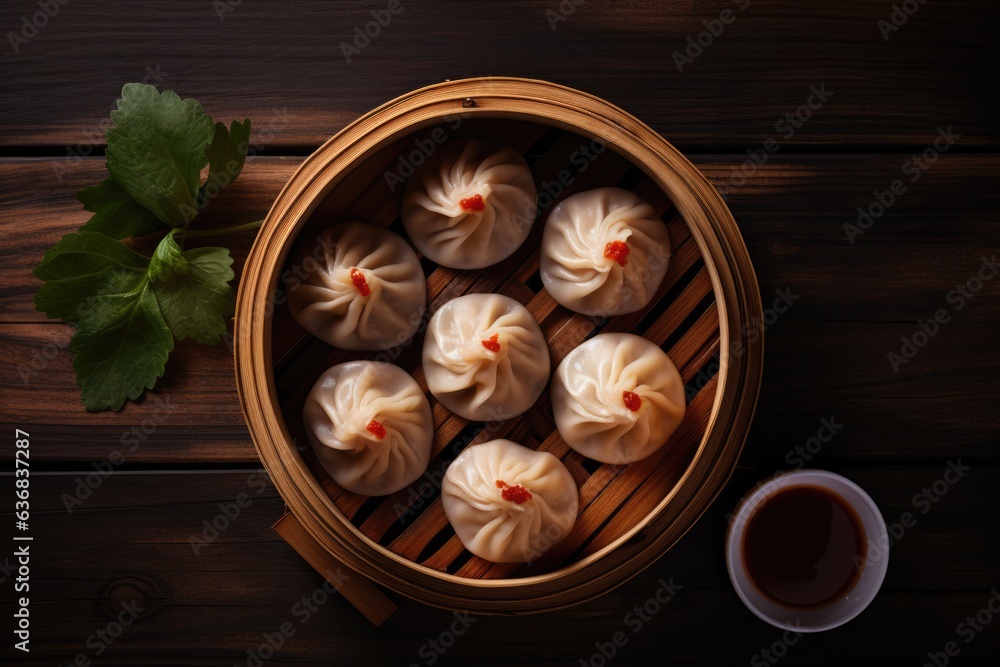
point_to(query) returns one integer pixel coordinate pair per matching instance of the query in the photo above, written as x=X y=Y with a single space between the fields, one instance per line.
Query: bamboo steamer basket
x=702 y=314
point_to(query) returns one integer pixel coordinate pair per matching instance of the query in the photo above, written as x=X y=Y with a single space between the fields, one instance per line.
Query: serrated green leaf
x=226 y=155
x=127 y=308
x=196 y=300
x=156 y=150
x=122 y=340
x=123 y=348
x=116 y=214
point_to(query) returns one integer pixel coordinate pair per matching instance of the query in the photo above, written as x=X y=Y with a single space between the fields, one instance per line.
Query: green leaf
x=157 y=149
x=226 y=155
x=167 y=259
x=123 y=350
x=115 y=213
x=85 y=253
x=192 y=288
x=127 y=308
x=122 y=340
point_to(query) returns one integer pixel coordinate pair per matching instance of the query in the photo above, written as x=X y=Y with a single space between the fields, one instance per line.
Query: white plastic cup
x=835 y=613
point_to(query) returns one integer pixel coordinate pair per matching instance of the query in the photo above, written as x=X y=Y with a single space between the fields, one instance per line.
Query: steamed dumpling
x=604 y=252
x=617 y=398
x=370 y=426
x=470 y=205
x=508 y=503
x=485 y=357
x=357 y=287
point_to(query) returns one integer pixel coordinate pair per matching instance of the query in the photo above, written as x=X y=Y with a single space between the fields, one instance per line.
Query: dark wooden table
x=889 y=88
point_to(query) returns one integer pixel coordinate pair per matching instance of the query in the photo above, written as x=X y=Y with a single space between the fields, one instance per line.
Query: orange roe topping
x=493 y=344
x=358 y=278
x=473 y=203
x=618 y=251
x=516 y=493
x=376 y=429
x=632 y=400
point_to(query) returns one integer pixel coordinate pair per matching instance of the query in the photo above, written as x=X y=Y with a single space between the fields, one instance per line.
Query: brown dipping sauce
x=804 y=547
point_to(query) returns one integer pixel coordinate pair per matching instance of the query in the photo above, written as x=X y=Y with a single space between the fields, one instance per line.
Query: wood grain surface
x=284 y=66
x=134 y=535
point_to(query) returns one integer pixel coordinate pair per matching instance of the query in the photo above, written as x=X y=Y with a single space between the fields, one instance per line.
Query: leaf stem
x=224 y=231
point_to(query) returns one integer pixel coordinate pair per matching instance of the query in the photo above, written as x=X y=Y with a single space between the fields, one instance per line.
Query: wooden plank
x=193 y=414
x=59 y=87
x=792 y=212
x=133 y=536
x=796 y=239
x=42 y=207
x=942 y=403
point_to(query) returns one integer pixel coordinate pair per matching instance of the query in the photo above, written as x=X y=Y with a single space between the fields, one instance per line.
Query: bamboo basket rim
x=733 y=284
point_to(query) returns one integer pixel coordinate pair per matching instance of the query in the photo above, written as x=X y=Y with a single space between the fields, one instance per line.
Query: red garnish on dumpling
x=493 y=344
x=516 y=493
x=618 y=251
x=358 y=278
x=632 y=400
x=473 y=203
x=376 y=429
